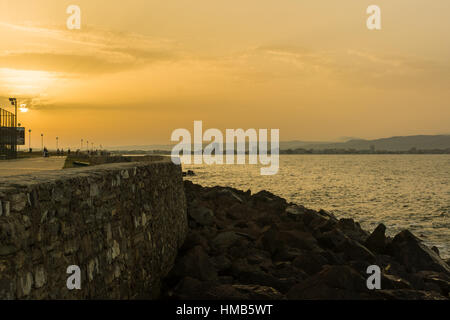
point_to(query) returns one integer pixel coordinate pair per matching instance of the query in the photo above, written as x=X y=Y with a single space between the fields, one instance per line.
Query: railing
x=8 y=135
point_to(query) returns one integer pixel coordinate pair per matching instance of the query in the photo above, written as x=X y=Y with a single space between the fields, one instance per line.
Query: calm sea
x=402 y=191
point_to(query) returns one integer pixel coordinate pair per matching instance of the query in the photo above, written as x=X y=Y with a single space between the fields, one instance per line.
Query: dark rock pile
x=244 y=246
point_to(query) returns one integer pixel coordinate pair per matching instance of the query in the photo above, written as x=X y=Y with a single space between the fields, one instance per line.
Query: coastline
x=244 y=246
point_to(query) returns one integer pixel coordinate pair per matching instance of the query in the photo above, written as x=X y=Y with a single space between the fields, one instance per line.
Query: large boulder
x=226 y=239
x=353 y=250
x=435 y=281
x=310 y=262
x=377 y=240
x=202 y=215
x=246 y=273
x=414 y=255
x=332 y=283
x=299 y=239
x=352 y=229
x=195 y=264
x=270 y=240
x=190 y=289
x=221 y=263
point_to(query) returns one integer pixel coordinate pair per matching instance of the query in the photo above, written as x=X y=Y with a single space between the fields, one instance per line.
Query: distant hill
x=404 y=143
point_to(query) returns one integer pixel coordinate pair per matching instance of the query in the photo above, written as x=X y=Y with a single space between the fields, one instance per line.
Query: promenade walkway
x=30 y=165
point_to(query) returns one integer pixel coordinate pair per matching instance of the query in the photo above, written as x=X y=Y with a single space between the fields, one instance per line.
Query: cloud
x=114 y=61
x=89 y=51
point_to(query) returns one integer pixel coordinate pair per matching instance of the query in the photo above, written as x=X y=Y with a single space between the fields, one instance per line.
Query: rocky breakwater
x=244 y=246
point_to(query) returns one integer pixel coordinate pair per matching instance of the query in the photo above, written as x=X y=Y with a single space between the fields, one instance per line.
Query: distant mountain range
x=403 y=143
x=400 y=143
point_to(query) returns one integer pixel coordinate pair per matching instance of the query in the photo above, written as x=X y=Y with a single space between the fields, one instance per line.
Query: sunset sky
x=139 y=69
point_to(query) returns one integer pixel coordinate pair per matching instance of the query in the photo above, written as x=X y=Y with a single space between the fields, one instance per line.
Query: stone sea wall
x=121 y=223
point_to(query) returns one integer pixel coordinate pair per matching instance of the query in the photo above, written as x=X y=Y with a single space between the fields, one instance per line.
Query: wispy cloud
x=97 y=51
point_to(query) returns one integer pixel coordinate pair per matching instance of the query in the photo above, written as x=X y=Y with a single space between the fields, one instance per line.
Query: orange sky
x=140 y=69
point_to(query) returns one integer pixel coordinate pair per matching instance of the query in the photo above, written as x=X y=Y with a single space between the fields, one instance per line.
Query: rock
x=258 y=257
x=19 y=202
x=377 y=239
x=6 y=250
x=226 y=239
x=196 y=264
x=259 y=292
x=314 y=219
x=193 y=239
x=436 y=250
x=439 y=280
x=310 y=262
x=406 y=294
x=285 y=270
x=263 y=248
x=239 y=249
x=191 y=289
x=188 y=288
x=223 y=195
x=288 y=254
x=243 y=292
x=333 y=282
x=253 y=274
x=414 y=255
x=221 y=263
x=298 y=239
x=353 y=250
x=332 y=239
x=295 y=211
x=201 y=215
x=270 y=240
x=389 y=281
x=270 y=203
x=352 y=229
x=239 y=211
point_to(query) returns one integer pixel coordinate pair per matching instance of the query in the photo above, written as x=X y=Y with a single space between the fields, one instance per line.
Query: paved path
x=30 y=165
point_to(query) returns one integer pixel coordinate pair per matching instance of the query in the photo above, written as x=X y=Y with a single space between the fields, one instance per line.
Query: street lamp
x=14 y=103
x=81 y=148
x=42 y=141
x=29 y=139
x=57 y=143
x=87 y=145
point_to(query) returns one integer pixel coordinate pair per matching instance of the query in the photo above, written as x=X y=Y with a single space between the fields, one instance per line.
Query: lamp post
x=81 y=148
x=87 y=146
x=57 y=143
x=42 y=142
x=14 y=103
x=29 y=139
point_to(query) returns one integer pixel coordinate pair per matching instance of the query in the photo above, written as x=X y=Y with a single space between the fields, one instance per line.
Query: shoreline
x=244 y=246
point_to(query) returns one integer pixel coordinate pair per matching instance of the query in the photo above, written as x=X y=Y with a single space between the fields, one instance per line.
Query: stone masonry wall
x=122 y=224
